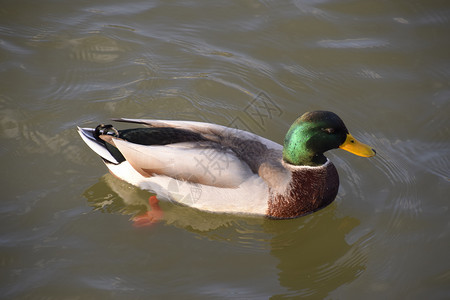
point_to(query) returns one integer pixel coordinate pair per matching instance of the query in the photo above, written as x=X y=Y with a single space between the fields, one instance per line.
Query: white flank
x=250 y=197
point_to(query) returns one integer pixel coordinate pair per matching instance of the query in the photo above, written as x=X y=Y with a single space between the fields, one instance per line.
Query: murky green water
x=383 y=66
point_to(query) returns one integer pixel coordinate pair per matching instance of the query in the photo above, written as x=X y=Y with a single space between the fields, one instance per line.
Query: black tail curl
x=103 y=129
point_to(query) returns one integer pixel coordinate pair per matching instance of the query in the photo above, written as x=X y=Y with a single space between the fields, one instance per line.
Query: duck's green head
x=316 y=132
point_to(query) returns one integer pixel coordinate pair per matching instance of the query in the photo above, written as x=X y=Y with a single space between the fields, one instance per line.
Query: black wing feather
x=159 y=136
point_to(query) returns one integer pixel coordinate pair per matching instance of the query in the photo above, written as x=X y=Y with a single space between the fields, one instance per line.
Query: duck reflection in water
x=312 y=255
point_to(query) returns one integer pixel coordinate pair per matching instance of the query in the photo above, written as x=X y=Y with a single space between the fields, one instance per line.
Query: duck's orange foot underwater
x=150 y=217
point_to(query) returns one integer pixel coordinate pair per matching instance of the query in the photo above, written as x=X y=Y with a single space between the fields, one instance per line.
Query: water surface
x=66 y=228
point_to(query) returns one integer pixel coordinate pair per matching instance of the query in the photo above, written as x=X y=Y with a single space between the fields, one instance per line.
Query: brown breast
x=310 y=189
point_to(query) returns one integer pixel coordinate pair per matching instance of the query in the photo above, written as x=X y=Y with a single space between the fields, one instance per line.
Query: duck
x=222 y=169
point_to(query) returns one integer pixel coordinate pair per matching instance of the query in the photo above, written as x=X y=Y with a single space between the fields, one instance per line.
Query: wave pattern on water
x=382 y=66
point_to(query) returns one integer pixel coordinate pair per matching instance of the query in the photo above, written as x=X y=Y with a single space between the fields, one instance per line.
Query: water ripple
x=120 y=9
x=97 y=49
x=360 y=43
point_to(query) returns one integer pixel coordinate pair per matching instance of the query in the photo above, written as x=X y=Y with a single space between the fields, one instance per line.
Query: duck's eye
x=328 y=130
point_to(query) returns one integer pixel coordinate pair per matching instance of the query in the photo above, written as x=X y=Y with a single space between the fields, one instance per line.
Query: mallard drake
x=227 y=170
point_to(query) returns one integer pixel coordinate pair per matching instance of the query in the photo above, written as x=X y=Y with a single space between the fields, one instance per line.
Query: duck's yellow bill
x=352 y=145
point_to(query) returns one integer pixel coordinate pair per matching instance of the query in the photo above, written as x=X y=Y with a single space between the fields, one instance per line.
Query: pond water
x=66 y=225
